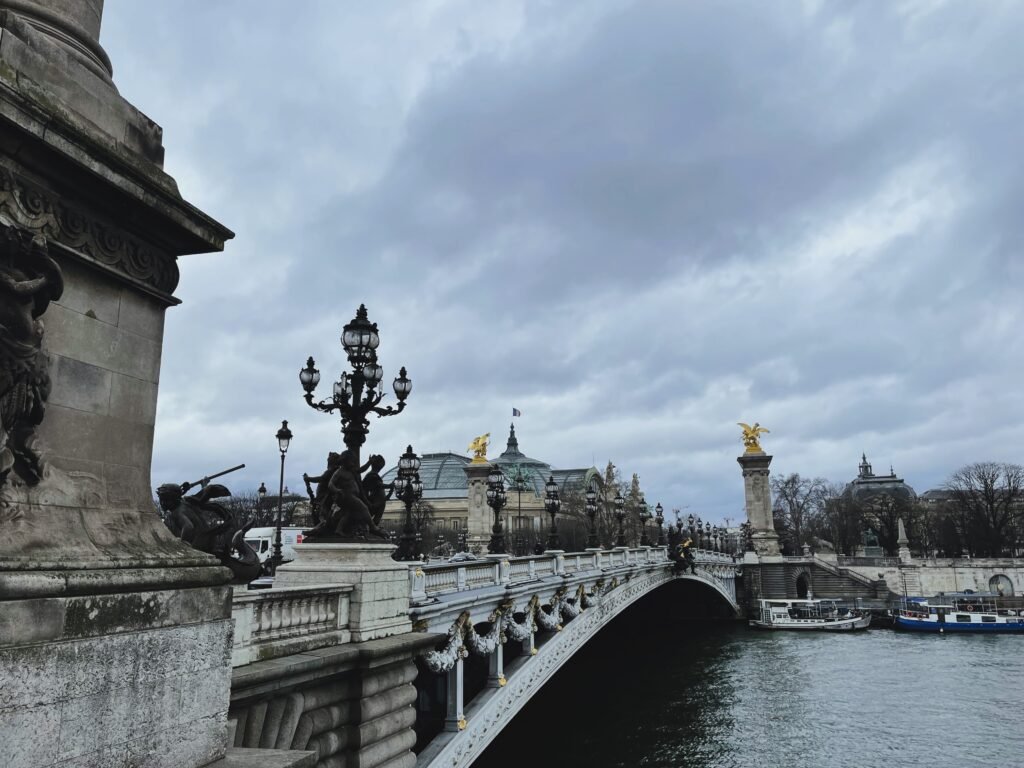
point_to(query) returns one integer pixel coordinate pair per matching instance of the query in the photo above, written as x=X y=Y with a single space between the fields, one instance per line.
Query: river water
x=648 y=692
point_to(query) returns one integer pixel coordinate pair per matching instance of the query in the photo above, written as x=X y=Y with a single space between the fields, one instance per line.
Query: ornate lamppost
x=358 y=393
x=659 y=518
x=714 y=538
x=745 y=533
x=590 y=507
x=463 y=541
x=551 y=505
x=284 y=438
x=644 y=514
x=620 y=516
x=690 y=521
x=408 y=489
x=707 y=534
x=496 y=500
x=699 y=540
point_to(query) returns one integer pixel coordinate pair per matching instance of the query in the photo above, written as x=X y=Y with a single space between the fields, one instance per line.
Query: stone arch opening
x=1001 y=584
x=803 y=585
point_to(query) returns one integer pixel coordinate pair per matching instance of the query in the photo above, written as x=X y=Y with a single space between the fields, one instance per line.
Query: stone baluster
x=496 y=669
x=460 y=578
x=418 y=584
x=504 y=572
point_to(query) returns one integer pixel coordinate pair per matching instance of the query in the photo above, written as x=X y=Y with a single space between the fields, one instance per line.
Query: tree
x=797 y=505
x=987 y=500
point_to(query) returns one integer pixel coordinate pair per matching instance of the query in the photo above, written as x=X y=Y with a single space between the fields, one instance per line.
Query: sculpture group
x=347 y=504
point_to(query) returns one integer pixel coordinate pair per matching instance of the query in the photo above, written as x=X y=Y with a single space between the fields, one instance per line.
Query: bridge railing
x=277 y=622
x=435 y=579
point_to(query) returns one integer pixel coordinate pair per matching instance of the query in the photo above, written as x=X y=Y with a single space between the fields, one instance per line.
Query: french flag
x=516 y=412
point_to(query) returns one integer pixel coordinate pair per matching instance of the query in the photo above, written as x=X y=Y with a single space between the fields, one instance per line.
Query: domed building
x=867 y=485
x=454 y=487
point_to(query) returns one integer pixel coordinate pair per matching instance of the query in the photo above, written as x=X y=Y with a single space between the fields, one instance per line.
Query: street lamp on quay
x=644 y=514
x=358 y=393
x=591 y=509
x=284 y=438
x=659 y=518
x=620 y=516
x=707 y=534
x=496 y=500
x=551 y=505
x=408 y=489
x=261 y=494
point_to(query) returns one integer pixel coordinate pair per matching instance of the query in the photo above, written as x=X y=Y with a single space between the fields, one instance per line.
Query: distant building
x=867 y=485
x=446 y=487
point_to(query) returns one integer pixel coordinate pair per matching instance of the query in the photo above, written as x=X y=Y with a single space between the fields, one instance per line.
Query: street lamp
x=699 y=541
x=408 y=489
x=284 y=438
x=496 y=500
x=659 y=518
x=591 y=510
x=644 y=514
x=707 y=534
x=714 y=538
x=551 y=505
x=261 y=494
x=620 y=515
x=358 y=393
x=746 y=533
x=690 y=521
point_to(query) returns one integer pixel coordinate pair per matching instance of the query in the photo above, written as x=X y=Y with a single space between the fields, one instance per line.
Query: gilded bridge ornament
x=29 y=281
x=479 y=449
x=750 y=436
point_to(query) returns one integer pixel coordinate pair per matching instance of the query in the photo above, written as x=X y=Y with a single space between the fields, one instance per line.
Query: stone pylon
x=479 y=518
x=758 y=497
x=115 y=636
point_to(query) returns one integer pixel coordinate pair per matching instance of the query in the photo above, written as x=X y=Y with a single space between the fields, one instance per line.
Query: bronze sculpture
x=347 y=514
x=29 y=281
x=209 y=527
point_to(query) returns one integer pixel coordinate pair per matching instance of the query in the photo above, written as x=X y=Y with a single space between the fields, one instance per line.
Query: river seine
x=703 y=694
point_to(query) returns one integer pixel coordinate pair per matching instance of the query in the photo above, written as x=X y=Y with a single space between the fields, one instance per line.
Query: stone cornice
x=30 y=207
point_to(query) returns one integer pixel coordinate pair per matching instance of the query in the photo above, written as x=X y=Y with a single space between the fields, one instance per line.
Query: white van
x=262 y=540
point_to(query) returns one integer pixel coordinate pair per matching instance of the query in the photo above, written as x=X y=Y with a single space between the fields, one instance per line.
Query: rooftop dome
x=441 y=475
x=868 y=485
x=519 y=468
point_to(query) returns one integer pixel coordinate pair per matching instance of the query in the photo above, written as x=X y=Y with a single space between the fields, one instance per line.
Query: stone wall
x=929 y=577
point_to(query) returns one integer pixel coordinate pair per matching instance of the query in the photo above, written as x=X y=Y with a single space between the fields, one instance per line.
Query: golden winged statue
x=479 y=448
x=751 y=435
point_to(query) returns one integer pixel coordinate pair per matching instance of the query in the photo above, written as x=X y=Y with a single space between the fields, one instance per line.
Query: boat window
x=988 y=619
x=963 y=617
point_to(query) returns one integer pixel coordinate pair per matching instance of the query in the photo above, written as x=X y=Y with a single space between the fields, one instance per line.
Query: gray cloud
x=637 y=222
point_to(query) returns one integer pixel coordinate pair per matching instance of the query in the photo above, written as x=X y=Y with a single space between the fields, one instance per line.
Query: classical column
x=479 y=517
x=758 y=497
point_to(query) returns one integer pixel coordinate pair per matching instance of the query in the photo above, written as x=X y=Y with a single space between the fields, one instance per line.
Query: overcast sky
x=636 y=222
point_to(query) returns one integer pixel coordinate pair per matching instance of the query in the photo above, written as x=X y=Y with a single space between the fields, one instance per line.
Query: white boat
x=961 y=612
x=809 y=615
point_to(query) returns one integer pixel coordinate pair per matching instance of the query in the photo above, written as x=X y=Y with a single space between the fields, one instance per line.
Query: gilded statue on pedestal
x=479 y=448
x=751 y=436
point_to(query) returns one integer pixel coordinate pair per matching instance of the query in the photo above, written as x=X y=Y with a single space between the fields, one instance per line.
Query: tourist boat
x=961 y=612
x=814 y=615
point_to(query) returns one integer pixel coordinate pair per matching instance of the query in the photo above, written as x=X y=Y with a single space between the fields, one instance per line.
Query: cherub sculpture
x=751 y=435
x=348 y=517
x=209 y=527
x=479 y=448
x=29 y=281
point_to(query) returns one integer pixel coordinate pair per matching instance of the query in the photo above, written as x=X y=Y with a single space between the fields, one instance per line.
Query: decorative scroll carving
x=44 y=214
x=29 y=281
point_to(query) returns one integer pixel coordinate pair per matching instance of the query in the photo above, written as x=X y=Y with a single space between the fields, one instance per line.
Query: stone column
x=758 y=496
x=479 y=518
x=115 y=636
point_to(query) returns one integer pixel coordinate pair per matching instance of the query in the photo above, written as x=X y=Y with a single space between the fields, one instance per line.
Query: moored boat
x=809 y=615
x=960 y=612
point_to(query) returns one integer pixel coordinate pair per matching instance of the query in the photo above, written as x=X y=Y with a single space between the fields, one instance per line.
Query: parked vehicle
x=262 y=540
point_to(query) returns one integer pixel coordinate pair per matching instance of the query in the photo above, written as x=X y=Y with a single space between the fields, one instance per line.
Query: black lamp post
x=707 y=534
x=591 y=510
x=699 y=541
x=551 y=505
x=714 y=538
x=659 y=518
x=690 y=521
x=463 y=541
x=408 y=490
x=284 y=438
x=261 y=494
x=644 y=514
x=496 y=500
x=357 y=394
x=745 y=532
x=620 y=515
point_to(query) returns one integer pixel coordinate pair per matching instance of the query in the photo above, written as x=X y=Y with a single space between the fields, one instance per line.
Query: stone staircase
x=778 y=580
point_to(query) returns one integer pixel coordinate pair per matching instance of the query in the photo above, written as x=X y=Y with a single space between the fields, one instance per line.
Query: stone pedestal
x=115 y=636
x=758 y=497
x=381 y=592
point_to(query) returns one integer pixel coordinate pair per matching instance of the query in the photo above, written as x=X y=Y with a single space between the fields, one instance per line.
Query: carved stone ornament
x=29 y=281
x=44 y=214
